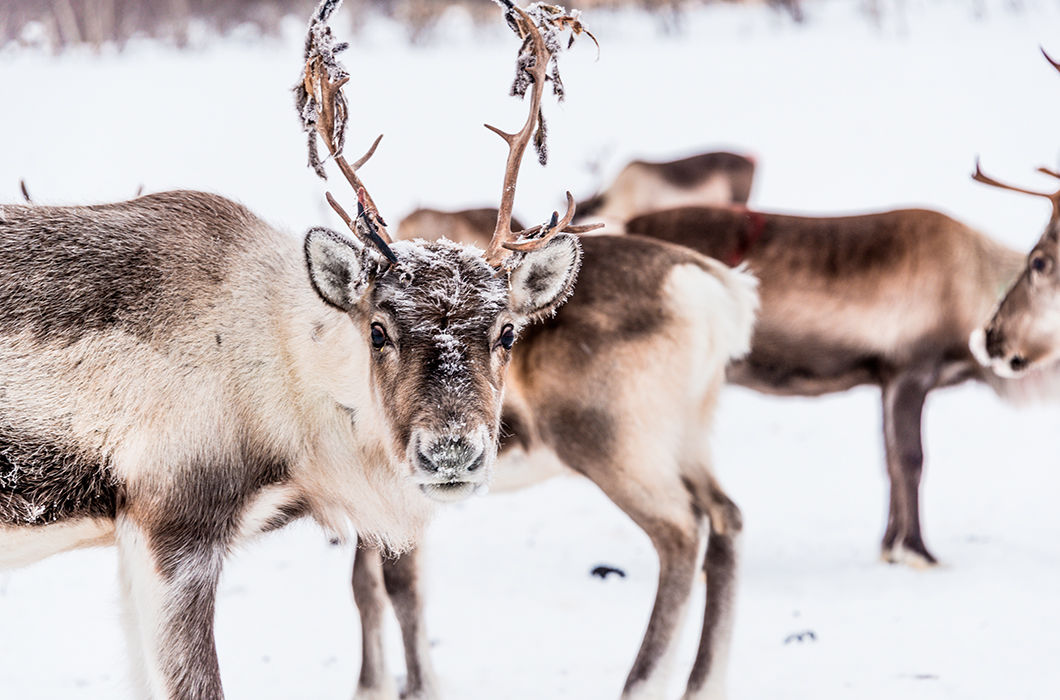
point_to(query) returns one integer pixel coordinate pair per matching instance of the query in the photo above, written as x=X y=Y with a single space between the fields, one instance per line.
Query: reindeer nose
x=994 y=343
x=451 y=457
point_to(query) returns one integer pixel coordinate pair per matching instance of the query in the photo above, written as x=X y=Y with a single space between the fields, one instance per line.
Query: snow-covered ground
x=843 y=117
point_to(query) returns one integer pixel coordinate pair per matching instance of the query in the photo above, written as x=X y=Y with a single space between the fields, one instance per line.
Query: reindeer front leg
x=401 y=575
x=903 y=406
x=374 y=682
x=170 y=567
x=398 y=576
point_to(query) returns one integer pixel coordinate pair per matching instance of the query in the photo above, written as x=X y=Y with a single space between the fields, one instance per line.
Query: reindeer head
x=1024 y=332
x=439 y=318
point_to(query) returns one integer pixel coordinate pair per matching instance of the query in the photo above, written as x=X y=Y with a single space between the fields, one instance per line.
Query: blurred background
x=849 y=106
x=63 y=23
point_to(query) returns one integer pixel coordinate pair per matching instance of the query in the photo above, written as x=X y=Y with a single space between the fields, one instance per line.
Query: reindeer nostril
x=427 y=463
x=993 y=343
x=450 y=457
x=1017 y=363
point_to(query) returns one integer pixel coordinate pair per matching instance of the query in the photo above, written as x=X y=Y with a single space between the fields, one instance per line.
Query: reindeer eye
x=507 y=339
x=379 y=336
x=1039 y=263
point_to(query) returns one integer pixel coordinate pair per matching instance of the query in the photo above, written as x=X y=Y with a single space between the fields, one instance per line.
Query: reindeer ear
x=544 y=278
x=340 y=269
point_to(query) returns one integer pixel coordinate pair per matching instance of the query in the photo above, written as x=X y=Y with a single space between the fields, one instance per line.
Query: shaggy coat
x=175 y=376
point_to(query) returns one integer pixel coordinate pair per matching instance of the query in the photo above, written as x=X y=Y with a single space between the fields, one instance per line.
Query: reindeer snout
x=452 y=467
x=451 y=457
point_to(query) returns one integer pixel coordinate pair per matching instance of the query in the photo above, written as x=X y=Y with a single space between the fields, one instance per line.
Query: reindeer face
x=439 y=326
x=1024 y=332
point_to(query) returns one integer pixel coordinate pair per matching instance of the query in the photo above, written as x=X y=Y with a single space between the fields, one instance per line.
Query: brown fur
x=887 y=299
x=643 y=186
x=470 y=226
x=1023 y=336
x=585 y=390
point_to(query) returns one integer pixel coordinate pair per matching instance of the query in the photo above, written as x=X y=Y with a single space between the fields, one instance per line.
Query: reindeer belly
x=788 y=365
x=43 y=483
x=20 y=546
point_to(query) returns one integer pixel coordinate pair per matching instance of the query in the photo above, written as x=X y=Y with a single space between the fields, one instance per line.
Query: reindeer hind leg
x=707 y=680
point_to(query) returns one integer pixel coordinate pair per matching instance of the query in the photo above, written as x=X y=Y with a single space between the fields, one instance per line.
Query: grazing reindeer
x=176 y=376
x=587 y=393
x=883 y=299
x=1023 y=335
x=701 y=180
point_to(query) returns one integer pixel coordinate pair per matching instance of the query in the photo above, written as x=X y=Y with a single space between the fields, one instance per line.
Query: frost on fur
x=552 y=21
x=320 y=45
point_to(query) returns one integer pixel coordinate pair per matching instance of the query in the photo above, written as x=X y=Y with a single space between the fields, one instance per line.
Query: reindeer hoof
x=387 y=692
x=914 y=555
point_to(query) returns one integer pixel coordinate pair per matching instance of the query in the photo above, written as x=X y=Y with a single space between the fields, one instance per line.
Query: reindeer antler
x=324 y=112
x=1054 y=64
x=537 y=27
x=980 y=176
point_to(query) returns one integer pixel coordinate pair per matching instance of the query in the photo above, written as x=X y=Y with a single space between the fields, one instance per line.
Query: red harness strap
x=754 y=225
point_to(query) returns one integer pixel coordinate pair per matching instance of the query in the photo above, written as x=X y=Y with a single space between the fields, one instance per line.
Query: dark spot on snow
x=603 y=571
x=800 y=637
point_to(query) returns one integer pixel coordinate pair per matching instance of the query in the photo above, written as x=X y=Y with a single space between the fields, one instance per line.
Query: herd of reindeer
x=176 y=376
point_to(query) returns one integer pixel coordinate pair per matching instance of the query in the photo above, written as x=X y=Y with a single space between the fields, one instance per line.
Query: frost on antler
x=324 y=111
x=537 y=55
x=321 y=47
x=552 y=22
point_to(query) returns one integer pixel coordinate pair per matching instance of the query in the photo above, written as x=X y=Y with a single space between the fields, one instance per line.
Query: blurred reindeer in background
x=1023 y=335
x=706 y=179
x=883 y=299
x=715 y=178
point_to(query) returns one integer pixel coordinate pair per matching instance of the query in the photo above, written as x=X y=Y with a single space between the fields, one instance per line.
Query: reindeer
x=588 y=394
x=885 y=299
x=642 y=186
x=177 y=376
x=1023 y=336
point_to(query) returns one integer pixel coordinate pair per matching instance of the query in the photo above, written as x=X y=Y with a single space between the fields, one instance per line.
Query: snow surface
x=844 y=116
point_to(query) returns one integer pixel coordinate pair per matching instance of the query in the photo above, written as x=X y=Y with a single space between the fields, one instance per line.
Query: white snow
x=844 y=116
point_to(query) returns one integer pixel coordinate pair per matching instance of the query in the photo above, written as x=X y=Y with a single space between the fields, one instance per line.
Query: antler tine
x=332 y=105
x=1047 y=171
x=518 y=141
x=535 y=57
x=1054 y=198
x=555 y=226
x=1054 y=64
